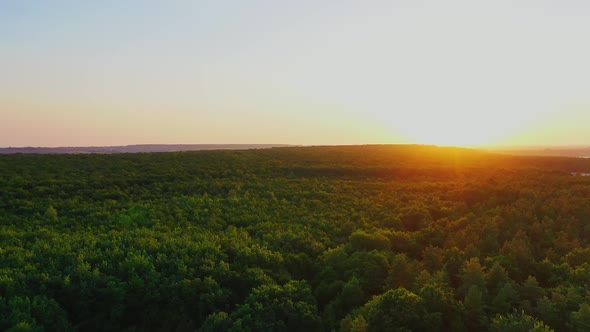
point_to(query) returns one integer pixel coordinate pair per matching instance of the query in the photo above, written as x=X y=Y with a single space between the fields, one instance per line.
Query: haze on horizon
x=99 y=73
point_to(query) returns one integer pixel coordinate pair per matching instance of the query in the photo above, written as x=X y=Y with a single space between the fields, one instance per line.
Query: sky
x=470 y=73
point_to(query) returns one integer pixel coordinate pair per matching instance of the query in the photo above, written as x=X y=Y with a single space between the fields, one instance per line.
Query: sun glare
x=452 y=137
x=456 y=130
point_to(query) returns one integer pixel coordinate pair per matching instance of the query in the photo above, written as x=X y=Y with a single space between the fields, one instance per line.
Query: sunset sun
x=454 y=128
x=459 y=135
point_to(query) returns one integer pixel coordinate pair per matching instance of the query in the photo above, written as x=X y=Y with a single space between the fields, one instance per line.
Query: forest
x=333 y=238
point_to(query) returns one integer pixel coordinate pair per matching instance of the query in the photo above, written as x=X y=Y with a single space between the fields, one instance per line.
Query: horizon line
x=488 y=146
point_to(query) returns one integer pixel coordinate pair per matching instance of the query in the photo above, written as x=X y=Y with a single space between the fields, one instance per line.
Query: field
x=345 y=238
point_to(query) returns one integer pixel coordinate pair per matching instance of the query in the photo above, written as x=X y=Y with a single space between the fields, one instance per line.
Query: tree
x=358 y=324
x=402 y=272
x=496 y=278
x=472 y=275
x=518 y=323
x=273 y=308
x=352 y=294
x=218 y=321
x=531 y=291
x=505 y=299
x=475 y=318
x=25 y=327
x=439 y=300
x=360 y=240
x=580 y=320
x=51 y=214
x=399 y=310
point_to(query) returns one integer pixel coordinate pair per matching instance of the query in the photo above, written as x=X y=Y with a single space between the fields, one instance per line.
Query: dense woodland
x=359 y=238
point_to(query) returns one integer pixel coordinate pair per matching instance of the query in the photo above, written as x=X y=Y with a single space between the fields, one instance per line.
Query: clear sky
x=121 y=72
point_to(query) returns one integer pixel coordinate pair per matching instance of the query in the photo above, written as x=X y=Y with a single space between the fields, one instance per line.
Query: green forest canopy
x=344 y=238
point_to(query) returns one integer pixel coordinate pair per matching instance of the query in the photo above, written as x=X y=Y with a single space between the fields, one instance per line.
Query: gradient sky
x=116 y=72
